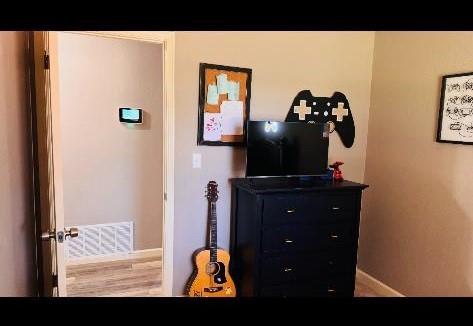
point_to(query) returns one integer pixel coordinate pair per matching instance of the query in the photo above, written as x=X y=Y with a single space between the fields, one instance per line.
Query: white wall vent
x=100 y=240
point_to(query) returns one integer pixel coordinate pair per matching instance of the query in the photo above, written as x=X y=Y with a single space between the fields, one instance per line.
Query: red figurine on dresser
x=337 y=173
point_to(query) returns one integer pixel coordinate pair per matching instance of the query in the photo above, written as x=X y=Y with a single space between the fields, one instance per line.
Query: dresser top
x=266 y=185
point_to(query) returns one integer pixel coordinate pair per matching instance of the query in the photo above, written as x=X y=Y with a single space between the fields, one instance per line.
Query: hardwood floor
x=127 y=277
x=137 y=277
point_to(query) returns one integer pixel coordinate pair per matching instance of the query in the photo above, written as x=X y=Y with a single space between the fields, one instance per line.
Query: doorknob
x=61 y=235
x=48 y=235
x=72 y=232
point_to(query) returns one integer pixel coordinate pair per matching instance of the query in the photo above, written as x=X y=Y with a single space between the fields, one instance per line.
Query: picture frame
x=455 y=119
x=224 y=105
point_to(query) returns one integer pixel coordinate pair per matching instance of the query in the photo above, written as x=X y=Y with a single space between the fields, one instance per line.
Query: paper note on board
x=232 y=117
x=222 y=84
x=212 y=94
x=212 y=126
x=233 y=90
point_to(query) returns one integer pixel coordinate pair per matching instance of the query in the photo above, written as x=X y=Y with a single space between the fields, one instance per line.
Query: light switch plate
x=196 y=160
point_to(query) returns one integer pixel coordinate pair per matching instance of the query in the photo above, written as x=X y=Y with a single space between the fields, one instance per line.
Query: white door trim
x=167 y=40
x=375 y=284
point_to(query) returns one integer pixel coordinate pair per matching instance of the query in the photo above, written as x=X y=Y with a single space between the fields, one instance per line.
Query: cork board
x=224 y=104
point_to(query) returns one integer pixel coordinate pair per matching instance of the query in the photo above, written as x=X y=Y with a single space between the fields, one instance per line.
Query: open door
x=50 y=224
x=50 y=221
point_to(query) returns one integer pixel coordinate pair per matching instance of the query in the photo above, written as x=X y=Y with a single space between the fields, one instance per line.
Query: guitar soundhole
x=213 y=268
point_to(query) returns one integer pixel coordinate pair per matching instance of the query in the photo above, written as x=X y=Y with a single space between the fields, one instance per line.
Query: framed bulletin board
x=224 y=105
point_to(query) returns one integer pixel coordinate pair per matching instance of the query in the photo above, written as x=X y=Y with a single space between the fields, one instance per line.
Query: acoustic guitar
x=210 y=277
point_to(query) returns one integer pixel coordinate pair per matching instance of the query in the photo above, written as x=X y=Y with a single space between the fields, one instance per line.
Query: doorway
x=110 y=176
x=112 y=180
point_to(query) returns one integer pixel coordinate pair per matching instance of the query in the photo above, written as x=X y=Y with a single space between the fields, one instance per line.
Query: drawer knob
x=335 y=208
x=288 y=241
x=287 y=269
x=334 y=236
x=331 y=290
x=291 y=210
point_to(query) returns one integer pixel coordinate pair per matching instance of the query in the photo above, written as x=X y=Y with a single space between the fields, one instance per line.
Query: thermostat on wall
x=131 y=115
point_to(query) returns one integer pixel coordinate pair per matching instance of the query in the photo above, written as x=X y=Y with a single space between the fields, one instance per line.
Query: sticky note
x=233 y=90
x=222 y=84
x=212 y=94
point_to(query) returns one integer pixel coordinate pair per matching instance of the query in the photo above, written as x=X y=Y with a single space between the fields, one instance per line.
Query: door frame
x=50 y=164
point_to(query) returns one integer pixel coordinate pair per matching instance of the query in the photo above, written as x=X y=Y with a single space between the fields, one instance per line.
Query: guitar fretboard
x=213 y=232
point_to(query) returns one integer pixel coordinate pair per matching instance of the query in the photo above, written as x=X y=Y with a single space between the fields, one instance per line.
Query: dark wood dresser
x=294 y=237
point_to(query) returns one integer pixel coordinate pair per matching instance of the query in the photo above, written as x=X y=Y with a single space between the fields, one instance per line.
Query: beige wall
x=112 y=172
x=17 y=257
x=417 y=221
x=283 y=63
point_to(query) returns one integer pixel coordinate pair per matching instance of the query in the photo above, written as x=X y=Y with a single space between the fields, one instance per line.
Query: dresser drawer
x=307 y=267
x=336 y=287
x=310 y=207
x=292 y=208
x=340 y=204
x=298 y=238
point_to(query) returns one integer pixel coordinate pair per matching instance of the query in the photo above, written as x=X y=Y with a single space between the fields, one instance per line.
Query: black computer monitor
x=286 y=149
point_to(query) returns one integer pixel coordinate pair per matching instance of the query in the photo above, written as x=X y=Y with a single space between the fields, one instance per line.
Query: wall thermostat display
x=131 y=115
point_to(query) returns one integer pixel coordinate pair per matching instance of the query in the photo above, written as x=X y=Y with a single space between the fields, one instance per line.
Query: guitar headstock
x=212 y=193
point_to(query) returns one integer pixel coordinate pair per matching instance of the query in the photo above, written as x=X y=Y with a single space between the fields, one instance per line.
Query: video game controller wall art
x=455 y=123
x=334 y=110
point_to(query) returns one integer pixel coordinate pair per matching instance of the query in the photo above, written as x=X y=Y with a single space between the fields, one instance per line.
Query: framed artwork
x=224 y=105
x=455 y=122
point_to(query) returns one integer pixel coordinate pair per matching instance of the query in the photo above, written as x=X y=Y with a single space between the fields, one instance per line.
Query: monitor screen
x=131 y=115
x=286 y=148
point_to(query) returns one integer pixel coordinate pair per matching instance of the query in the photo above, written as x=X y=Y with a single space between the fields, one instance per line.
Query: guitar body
x=211 y=279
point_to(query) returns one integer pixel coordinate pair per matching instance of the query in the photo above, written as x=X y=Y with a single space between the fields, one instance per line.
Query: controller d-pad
x=340 y=112
x=302 y=109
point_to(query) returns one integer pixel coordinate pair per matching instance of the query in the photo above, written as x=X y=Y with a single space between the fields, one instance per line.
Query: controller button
x=328 y=103
x=325 y=113
x=314 y=103
x=316 y=113
x=340 y=112
x=302 y=109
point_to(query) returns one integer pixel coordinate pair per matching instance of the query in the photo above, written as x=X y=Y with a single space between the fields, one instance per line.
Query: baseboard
x=376 y=285
x=132 y=255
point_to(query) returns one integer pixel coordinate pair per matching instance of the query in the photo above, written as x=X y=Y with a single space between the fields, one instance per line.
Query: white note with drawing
x=212 y=126
x=232 y=117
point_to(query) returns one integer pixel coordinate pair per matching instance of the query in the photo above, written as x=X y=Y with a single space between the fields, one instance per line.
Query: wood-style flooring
x=138 y=277
x=120 y=278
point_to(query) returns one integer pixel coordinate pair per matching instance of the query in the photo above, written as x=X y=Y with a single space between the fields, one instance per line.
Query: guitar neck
x=213 y=231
